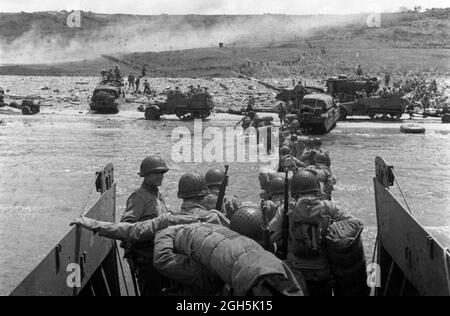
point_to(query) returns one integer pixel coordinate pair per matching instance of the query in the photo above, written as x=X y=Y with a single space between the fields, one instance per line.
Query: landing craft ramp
x=95 y=256
x=411 y=261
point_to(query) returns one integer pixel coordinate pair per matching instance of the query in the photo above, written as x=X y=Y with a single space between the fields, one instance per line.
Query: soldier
x=359 y=71
x=294 y=126
x=309 y=219
x=246 y=122
x=324 y=174
x=117 y=73
x=109 y=75
x=131 y=81
x=299 y=92
x=144 y=204
x=282 y=112
x=104 y=74
x=251 y=104
x=214 y=179
x=146 y=87
x=275 y=196
x=288 y=161
x=2 y=97
x=138 y=83
x=387 y=79
x=193 y=189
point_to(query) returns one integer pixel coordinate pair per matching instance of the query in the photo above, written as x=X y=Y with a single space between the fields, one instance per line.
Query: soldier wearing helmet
x=275 y=196
x=138 y=236
x=314 y=146
x=289 y=161
x=294 y=126
x=248 y=221
x=214 y=179
x=144 y=204
x=309 y=218
x=193 y=189
x=324 y=174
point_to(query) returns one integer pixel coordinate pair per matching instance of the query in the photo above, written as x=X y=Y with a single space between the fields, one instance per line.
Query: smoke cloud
x=102 y=34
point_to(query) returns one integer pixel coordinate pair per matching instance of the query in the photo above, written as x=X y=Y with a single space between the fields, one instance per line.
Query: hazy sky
x=219 y=6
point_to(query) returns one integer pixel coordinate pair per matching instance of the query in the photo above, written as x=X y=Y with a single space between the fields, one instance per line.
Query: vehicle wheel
x=26 y=110
x=184 y=116
x=151 y=115
x=342 y=115
x=206 y=114
x=372 y=115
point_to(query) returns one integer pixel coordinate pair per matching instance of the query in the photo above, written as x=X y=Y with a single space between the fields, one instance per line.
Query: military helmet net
x=317 y=142
x=305 y=182
x=276 y=186
x=285 y=150
x=247 y=221
x=215 y=177
x=152 y=164
x=192 y=185
x=321 y=158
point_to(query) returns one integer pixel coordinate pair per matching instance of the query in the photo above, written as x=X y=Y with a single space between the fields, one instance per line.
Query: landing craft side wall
x=94 y=254
x=417 y=256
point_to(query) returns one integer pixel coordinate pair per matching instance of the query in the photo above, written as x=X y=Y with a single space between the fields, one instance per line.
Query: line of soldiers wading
x=296 y=242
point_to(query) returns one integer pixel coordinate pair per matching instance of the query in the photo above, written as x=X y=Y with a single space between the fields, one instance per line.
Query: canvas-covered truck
x=194 y=105
x=317 y=113
x=392 y=106
x=107 y=99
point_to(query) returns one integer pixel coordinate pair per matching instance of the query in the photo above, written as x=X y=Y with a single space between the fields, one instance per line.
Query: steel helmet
x=152 y=164
x=304 y=182
x=192 y=185
x=248 y=221
x=276 y=186
x=215 y=177
x=317 y=142
x=285 y=150
x=322 y=158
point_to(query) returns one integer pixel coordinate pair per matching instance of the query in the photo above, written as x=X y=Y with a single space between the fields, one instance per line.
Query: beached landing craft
x=80 y=256
x=411 y=261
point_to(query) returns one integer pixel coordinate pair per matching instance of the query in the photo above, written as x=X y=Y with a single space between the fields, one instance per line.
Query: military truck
x=317 y=113
x=193 y=105
x=107 y=98
x=295 y=96
x=389 y=105
x=346 y=88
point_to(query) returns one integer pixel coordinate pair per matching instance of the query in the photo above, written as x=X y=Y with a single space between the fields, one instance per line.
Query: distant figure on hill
x=138 y=83
x=146 y=87
x=131 y=81
x=359 y=71
x=387 y=79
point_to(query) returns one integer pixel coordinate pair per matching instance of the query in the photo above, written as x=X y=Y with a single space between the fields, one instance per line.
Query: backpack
x=307 y=227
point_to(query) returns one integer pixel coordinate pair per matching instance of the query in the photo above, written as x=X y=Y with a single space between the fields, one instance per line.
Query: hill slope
x=264 y=46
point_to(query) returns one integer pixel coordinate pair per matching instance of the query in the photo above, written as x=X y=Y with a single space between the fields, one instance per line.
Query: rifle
x=312 y=157
x=284 y=245
x=267 y=245
x=223 y=188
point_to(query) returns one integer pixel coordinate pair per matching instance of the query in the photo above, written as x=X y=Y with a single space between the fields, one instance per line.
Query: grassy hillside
x=405 y=42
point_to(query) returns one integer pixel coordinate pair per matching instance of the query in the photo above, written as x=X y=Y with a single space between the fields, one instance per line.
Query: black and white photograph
x=219 y=153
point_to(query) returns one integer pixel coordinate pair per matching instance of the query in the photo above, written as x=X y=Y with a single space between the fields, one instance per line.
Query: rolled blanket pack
x=236 y=260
